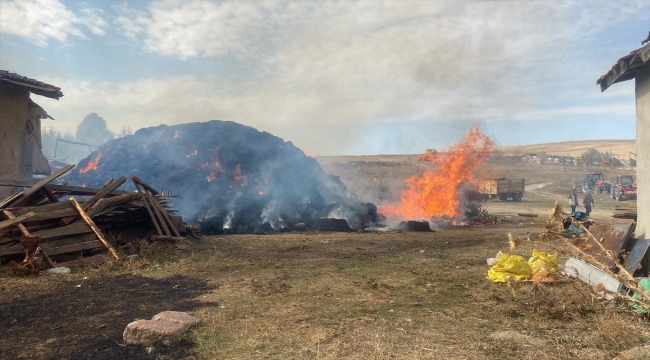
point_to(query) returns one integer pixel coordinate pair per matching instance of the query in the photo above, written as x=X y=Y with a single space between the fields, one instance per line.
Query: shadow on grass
x=62 y=321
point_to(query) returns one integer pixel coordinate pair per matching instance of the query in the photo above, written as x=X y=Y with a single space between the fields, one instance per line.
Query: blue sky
x=335 y=77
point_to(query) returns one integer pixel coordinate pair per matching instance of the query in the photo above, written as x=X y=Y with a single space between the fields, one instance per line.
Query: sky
x=335 y=78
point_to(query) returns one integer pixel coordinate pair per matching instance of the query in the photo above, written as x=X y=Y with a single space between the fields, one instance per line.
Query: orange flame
x=261 y=192
x=238 y=177
x=434 y=193
x=215 y=167
x=92 y=164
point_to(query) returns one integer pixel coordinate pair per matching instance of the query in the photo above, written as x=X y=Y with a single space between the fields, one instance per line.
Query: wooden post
x=112 y=186
x=39 y=185
x=166 y=217
x=146 y=205
x=147 y=187
x=94 y=227
x=160 y=211
x=157 y=211
x=12 y=220
x=50 y=195
x=20 y=225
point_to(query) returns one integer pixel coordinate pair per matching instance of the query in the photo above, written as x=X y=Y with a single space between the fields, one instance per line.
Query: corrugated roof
x=625 y=68
x=31 y=85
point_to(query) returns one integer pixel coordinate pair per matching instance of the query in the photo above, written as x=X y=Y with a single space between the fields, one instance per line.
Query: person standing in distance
x=573 y=200
x=588 y=202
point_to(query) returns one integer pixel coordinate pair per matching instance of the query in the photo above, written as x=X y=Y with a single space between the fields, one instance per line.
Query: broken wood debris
x=46 y=222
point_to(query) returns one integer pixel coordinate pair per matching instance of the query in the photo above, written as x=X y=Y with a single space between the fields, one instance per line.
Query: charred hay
x=231 y=178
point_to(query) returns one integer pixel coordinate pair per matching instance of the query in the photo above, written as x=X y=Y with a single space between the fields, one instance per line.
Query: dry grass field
x=318 y=295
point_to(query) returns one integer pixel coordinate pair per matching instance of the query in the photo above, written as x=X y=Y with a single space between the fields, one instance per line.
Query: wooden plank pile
x=625 y=210
x=46 y=222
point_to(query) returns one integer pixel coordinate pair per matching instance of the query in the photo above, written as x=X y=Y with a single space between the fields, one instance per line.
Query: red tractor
x=596 y=182
x=624 y=187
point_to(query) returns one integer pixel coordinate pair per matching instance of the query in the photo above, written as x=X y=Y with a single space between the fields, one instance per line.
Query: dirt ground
x=372 y=295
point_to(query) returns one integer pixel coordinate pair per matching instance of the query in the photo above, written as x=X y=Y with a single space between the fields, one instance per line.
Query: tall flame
x=91 y=165
x=435 y=192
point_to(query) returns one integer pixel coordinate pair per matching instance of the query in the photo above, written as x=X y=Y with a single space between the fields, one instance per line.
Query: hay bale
x=329 y=224
x=414 y=225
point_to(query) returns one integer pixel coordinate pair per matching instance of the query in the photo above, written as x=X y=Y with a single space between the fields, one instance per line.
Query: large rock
x=181 y=318
x=165 y=328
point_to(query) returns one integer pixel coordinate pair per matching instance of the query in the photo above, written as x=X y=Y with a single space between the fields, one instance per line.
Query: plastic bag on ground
x=508 y=266
x=543 y=266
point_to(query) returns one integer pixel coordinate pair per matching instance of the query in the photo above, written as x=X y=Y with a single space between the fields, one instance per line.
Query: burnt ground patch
x=50 y=317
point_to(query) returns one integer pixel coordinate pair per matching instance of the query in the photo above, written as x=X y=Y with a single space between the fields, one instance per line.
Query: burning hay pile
x=231 y=178
x=48 y=222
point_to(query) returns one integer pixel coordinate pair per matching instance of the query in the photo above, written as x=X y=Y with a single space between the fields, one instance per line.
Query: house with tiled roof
x=21 y=156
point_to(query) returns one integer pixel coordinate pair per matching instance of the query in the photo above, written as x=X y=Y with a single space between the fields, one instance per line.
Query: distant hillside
x=621 y=148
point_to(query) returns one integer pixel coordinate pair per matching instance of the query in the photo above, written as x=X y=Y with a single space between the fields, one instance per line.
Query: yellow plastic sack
x=543 y=266
x=509 y=266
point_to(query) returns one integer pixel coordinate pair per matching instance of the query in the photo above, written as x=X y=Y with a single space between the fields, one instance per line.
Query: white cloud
x=42 y=20
x=371 y=61
x=302 y=66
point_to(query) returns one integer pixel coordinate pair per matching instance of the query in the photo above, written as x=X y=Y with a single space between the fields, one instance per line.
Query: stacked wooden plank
x=45 y=221
x=625 y=210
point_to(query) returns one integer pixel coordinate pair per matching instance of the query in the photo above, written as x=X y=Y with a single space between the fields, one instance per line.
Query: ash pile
x=231 y=178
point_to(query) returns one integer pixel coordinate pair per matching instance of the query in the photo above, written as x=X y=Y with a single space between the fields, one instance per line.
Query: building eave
x=31 y=85
x=625 y=68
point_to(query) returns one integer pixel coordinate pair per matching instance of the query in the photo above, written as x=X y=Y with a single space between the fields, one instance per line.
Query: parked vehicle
x=596 y=182
x=502 y=188
x=624 y=187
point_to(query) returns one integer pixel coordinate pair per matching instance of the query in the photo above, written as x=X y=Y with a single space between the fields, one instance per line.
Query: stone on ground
x=165 y=328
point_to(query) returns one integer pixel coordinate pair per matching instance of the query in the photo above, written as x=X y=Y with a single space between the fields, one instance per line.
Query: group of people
x=587 y=201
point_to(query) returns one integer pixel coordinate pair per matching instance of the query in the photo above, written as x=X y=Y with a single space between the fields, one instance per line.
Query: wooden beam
x=17 y=249
x=39 y=185
x=50 y=195
x=108 y=203
x=73 y=229
x=92 y=225
x=10 y=199
x=141 y=183
x=87 y=245
x=90 y=202
x=42 y=209
x=74 y=190
x=15 y=219
x=162 y=221
x=22 y=228
x=146 y=205
x=166 y=217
